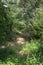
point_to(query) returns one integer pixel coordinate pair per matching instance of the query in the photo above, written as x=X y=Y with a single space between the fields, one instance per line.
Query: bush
x=36 y=26
x=5 y=24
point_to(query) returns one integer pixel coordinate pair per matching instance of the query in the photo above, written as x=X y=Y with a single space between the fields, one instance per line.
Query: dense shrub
x=35 y=27
x=5 y=24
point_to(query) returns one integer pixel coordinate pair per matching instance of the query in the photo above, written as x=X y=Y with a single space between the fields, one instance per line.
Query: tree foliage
x=32 y=14
x=5 y=24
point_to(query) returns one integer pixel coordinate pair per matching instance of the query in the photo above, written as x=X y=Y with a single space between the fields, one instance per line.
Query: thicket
x=5 y=24
x=22 y=16
x=32 y=13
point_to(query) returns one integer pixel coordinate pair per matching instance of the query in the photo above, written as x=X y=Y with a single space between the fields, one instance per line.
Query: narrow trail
x=20 y=40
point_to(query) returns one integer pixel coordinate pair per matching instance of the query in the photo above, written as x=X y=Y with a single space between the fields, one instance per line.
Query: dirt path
x=20 y=40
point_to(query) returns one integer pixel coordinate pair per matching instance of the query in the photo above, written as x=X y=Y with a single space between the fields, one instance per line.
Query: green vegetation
x=31 y=54
x=5 y=24
x=21 y=32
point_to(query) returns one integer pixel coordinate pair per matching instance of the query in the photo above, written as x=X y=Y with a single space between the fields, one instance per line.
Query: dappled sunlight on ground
x=18 y=51
x=20 y=41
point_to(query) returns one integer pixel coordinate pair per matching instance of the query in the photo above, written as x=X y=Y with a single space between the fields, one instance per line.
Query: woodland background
x=21 y=32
